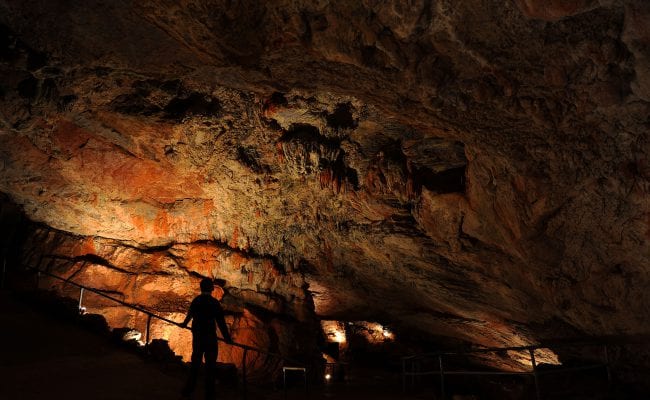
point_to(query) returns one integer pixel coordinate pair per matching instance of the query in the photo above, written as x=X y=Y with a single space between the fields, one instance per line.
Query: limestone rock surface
x=473 y=170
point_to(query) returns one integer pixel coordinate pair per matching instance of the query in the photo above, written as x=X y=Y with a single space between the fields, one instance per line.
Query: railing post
x=442 y=378
x=404 y=375
x=146 y=342
x=535 y=375
x=284 y=382
x=609 y=372
x=81 y=296
x=304 y=373
x=243 y=372
x=151 y=315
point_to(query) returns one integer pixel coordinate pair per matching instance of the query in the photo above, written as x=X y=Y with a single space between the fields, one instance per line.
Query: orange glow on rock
x=120 y=172
x=270 y=267
x=86 y=246
x=138 y=223
x=68 y=136
x=280 y=153
x=334 y=331
x=236 y=260
x=248 y=330
x=201 y=258
x=235 y=238
x=161 y=224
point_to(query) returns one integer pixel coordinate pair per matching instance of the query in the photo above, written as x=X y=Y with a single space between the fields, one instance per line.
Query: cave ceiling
x=475 y=169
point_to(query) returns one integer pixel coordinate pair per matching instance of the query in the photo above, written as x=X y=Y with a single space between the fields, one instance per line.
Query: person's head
x=207 y=286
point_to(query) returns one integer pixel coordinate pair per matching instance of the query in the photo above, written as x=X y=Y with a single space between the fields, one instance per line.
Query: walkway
x=46 y=357
x=43 y=357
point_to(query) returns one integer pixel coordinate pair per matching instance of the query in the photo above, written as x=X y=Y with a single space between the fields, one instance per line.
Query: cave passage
x=378 y=189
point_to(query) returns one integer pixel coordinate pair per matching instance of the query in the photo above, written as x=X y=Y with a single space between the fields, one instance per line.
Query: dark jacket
x=205 y=313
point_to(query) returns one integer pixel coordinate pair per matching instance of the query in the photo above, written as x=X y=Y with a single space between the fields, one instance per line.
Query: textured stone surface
x=471 y=170
x=266 y=307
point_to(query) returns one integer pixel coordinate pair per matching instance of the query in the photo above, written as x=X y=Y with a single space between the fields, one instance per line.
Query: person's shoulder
x=215 y=301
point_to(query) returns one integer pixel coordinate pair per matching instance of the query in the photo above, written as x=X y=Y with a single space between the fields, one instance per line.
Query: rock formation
x=470 y=170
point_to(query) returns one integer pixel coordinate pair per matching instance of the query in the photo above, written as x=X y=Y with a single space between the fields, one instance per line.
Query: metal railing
x=415 y=364
x=151 y=315
x=293 y=369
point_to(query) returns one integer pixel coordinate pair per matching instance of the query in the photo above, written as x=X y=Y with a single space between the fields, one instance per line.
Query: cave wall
x=475 y=170
x=267 y=307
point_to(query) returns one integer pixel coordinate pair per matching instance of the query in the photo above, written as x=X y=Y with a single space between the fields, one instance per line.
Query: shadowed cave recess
x=421 y=175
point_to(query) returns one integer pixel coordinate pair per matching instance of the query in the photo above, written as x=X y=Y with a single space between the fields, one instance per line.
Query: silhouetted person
x=205 y=312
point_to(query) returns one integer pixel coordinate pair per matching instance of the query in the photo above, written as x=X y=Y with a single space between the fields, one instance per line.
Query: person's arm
x=188 y=318
x=221 y=321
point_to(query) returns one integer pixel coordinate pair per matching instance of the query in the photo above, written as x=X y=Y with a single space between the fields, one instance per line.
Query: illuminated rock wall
x=267 y=307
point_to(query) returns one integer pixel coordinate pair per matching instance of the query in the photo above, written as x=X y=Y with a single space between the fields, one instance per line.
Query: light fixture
x=339 y=337
x=328 y=377
x=388 y=335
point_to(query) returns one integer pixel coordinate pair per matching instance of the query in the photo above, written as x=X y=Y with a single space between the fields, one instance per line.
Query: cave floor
x=44 y=356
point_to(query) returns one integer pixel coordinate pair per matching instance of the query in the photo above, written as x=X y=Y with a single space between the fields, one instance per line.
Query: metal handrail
x=151 y=315
x=546 y=345
x=154 y=315
x=535 y=373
